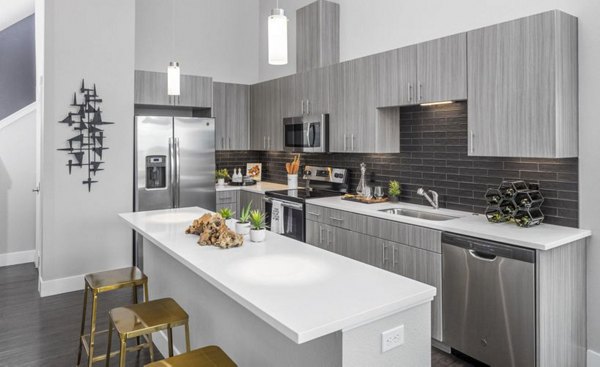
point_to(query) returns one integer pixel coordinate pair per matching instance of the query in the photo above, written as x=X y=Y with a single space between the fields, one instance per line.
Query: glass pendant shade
x=277 y=29
x=173 y=79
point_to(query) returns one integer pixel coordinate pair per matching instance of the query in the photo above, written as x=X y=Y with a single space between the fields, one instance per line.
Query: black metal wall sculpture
x=90 y=137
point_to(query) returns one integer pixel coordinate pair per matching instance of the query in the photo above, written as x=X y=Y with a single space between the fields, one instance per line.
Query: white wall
x=14 y=10
x=17 y=178
x=208 y=37
x=368 y=27
x=92 y=39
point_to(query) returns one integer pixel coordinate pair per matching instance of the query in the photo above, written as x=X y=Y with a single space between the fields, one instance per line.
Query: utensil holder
x=292 y=182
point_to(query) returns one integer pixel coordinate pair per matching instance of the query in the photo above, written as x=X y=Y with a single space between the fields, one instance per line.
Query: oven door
x=293 y=218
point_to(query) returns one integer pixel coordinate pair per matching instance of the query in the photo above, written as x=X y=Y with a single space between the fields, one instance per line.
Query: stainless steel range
x=285 y=209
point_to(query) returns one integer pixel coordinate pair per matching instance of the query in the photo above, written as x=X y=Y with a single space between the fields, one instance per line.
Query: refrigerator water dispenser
x=156 y=172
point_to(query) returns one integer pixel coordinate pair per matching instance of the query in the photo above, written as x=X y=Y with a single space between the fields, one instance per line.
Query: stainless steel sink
x=418 y=214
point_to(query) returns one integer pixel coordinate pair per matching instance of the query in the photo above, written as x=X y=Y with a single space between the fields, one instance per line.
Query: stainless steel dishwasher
x=489 y=300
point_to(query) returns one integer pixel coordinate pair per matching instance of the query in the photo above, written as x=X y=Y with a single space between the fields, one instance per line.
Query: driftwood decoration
x=214 y=232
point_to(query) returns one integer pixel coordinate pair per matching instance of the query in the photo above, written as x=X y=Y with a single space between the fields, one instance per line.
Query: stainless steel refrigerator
x=174 y=164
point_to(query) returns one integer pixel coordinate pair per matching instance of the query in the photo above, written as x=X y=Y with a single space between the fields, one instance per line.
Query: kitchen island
x=283 y=302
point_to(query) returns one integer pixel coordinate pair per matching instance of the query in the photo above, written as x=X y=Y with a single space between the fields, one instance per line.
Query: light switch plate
x=392 y=338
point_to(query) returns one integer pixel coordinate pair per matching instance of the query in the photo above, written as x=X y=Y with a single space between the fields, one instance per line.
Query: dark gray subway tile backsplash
x=433 y=155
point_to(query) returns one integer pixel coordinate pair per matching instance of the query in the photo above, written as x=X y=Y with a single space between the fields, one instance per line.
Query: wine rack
x=515 y=201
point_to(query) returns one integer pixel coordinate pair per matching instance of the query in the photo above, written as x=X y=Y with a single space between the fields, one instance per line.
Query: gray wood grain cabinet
x=317 y=35
x=442 y=69
x=256 y=198
x=305 y=93
x=229 y=199
x=151 y=89
x=522 y=79
x=396 y=77
x=266 y=127
x=231 y=111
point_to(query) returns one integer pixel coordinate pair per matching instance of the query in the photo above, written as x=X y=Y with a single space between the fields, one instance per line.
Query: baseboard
x=593 y=358
x=161 y=341
x=16 y=258
x=59 y=286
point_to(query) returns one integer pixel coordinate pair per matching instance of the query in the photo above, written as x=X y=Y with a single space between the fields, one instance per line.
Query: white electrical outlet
x=392 y=338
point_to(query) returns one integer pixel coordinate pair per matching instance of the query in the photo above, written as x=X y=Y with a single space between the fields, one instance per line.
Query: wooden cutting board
x=364 y=200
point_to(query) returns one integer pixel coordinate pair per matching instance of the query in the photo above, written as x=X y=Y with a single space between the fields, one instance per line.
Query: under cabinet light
x=436 y=103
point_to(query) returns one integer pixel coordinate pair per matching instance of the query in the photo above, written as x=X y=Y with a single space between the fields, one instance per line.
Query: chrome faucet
x=433 y=200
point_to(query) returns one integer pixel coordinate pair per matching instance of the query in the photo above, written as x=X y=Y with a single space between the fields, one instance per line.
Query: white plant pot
x=258 y=235
x=242 y=228
x=221 y=182
x=230 y=223
x=292 y=182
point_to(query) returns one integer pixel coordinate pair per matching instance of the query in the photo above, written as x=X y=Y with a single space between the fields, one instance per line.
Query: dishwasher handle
x=482 y=256
x=485 y=249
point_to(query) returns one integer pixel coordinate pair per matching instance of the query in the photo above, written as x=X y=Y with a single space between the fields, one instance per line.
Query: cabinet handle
x=419 y=92
x=472 y=142
x=315 y=214
x=269 y=142
x=222 y=143
x=409 y=92
x=352 y=143
x=337 y=219
x=394 y=256
x=308 y=106
x=383 y=258
x=320 y=235
x=345 y=140
x=264 y=142
x=302 y=106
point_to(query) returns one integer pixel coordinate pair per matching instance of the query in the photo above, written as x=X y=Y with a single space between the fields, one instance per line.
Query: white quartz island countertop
x=541 y=237
x=302 y=291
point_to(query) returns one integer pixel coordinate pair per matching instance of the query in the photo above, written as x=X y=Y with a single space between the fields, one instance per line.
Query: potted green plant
x=258 y=230
x=228 y=214
x=394 y=190
x=243 y=225
x=221 y=175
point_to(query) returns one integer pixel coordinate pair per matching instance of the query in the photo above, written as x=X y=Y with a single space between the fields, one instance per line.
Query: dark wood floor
x=37 y=331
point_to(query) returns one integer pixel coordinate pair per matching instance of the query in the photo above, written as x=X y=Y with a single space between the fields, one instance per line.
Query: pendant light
x=277 y=29
x=173 y=72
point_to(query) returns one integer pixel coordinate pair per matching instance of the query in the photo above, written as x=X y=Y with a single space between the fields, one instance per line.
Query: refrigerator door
x=195 y=162
x=153 y=161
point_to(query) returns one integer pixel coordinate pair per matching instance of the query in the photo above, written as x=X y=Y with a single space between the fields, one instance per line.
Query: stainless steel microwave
x=308 y=134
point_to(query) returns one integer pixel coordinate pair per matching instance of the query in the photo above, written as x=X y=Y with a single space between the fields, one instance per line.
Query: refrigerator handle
x=178 y=172
x=171 y=173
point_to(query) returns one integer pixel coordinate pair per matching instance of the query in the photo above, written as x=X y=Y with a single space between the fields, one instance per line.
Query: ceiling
x=14 y=10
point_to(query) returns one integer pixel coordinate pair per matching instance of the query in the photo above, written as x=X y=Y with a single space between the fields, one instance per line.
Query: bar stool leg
x=93 y=328
x=85 y=293
x=170 y=334
x=123 y=352
x=135 y=301
x=187 y=337
x=109 y=343
x=151 y=348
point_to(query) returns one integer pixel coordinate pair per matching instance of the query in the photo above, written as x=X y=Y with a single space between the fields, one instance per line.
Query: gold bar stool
x=143 y=319
x=211 y=356
x=102 y=282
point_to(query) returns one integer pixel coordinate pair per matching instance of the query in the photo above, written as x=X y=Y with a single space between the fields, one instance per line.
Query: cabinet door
x=238 y=124
x=256 y=199
x=258 y=116
x=219 y=112
x=315 y=90
x=314 y=233
x=426 y=267
x=361 y=105
x=515 y=93
x=339 y=125
x=442 y=69
x=151 y=88
x=292 y=104
x=396 y=77
x=308 y=37
x=196 y=91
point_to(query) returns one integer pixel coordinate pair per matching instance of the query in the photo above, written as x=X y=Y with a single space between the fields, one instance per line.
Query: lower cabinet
x=229 y=199
x=413 y=260
x=256 y=198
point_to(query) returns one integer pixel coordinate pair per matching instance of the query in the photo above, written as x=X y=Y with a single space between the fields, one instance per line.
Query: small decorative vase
x=394 y=199
x=221 y=182
x=292 y=182
x=258 y=235
x=242 y=228
x=231 y=223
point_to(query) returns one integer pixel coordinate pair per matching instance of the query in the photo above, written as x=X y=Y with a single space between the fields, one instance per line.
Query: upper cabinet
x=432 y=71
x=305 y=93
x=231 y=110
x=317 y=35
x=266 y=126
x=442 y=69
x=522 y=95
x=151 y=89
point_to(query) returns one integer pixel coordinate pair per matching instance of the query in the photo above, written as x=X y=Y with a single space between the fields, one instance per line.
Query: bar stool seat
x=144 y=319
x=101 y=282
x=210 y=356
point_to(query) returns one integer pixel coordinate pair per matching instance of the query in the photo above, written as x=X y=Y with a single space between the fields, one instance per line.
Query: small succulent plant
x=226 y=213
x=221 y=173
x=394 y=188
x=257 y=220
x=245 y=214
